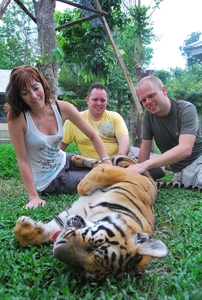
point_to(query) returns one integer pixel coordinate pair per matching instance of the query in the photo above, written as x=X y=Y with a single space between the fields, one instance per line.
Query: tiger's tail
x=177 y=185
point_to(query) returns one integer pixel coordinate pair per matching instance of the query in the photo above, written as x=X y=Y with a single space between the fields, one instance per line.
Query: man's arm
x=124 y=144
x=177 y=153
x=121 y=133
x=145 y=150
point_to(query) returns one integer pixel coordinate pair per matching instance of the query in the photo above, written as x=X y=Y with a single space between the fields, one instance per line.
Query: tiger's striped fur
x=124 y=162
x=108 y=230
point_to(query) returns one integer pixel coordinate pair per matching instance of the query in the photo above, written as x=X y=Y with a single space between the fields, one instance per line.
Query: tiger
x=108 y=230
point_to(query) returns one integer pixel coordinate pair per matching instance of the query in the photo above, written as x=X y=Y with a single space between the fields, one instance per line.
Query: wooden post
x=3 y=7
x=121 y=61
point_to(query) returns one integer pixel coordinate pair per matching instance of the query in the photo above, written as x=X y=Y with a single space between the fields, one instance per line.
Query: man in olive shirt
x=172 y=124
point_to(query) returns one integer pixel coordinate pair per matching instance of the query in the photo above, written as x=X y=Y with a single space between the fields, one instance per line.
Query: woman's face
x=33 y=94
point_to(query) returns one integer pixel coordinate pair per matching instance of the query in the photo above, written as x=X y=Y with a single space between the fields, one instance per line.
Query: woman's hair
x=20 y=78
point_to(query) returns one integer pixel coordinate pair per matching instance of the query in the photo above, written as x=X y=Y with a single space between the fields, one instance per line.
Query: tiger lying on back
x=108 y=230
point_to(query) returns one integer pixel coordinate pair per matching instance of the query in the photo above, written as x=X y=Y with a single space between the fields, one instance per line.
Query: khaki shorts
x=192 y=174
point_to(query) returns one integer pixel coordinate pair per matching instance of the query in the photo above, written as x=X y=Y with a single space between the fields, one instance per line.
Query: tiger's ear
x=148 y=246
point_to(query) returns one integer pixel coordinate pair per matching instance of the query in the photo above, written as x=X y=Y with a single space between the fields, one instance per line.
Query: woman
x=35 y=124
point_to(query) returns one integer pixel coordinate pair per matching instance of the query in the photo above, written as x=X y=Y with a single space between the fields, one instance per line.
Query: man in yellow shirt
x=109 y=125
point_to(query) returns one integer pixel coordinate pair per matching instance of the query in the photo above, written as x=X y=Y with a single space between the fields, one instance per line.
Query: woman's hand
x=35 y=202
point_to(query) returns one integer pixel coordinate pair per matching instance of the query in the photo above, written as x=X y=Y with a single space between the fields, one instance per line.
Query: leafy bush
x=72 y=148
x=8 y=162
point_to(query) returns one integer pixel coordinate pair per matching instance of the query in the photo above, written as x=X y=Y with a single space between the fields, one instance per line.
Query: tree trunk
x=135 y=125
x=44 y=12
x=3 y=7
x=136 y=122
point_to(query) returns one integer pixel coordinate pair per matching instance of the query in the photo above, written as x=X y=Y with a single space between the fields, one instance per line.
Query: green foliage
x=165 y=76
x=57 y=54
x=18 y=37
x=8 y=162
x=42 y=59
x=89 y=56
x=113 y=8
x=33 y=272
x=74 y=85
x=85 y=46
x=136 y=37
x=5 y=62
x=186 y=84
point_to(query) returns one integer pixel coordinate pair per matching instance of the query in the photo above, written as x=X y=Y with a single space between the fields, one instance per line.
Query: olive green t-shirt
x=182 y=119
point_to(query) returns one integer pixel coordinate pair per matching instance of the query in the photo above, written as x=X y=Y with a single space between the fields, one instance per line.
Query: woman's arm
x=17 y=129
x=71 y=113
x=63 y=146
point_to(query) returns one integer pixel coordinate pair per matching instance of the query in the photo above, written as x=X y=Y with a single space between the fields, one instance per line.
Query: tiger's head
x=105 y=247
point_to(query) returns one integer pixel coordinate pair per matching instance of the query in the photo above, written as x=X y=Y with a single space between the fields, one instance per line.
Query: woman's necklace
x=38 y=124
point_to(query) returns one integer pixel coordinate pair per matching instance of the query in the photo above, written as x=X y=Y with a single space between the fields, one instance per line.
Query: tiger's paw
x=122 y=161
x=29 y=232
x=81 y=161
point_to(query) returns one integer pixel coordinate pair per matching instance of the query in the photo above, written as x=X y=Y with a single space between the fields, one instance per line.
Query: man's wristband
x=105 y=158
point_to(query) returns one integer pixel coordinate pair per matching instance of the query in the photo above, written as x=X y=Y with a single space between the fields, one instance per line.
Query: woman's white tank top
x=46 y=157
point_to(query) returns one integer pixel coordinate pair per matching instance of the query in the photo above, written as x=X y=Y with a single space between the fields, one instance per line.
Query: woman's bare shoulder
x=18 y=123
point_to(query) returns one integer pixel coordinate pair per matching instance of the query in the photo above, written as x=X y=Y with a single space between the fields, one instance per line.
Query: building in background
x=4 y=79
x=196 y=50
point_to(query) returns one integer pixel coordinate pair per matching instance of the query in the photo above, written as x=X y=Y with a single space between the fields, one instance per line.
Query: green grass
x=33 y=272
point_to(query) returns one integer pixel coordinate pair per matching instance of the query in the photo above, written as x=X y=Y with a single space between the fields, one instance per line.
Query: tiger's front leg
x=29 y=232
x=81 y=161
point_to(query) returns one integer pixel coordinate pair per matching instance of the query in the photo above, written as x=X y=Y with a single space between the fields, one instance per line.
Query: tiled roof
x=4 y=79
x=195 y=44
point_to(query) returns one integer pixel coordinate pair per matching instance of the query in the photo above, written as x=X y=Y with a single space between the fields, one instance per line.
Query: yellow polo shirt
x=109 y=128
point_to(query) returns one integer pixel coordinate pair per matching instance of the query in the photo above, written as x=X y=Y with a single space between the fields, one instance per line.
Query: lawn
x=33 y=272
